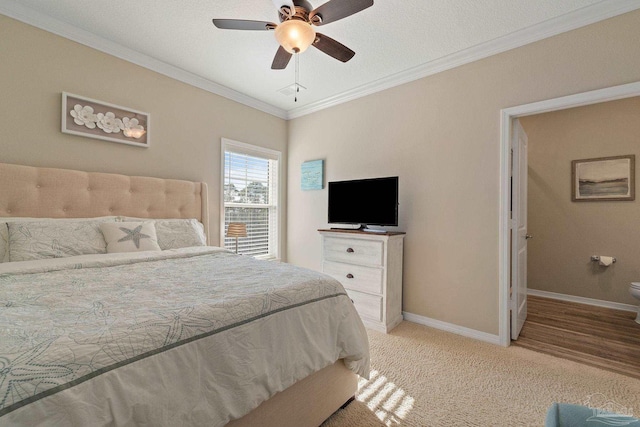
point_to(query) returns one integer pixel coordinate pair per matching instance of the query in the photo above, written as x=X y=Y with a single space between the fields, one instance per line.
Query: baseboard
x=450 y=327
x=582 y=300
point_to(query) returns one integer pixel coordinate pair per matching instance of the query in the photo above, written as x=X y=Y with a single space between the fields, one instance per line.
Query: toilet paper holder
x=596 y=258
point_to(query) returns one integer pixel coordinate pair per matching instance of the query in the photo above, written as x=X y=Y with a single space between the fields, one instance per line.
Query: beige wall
x=186 y=123
x=441 y=135
x=567 y=233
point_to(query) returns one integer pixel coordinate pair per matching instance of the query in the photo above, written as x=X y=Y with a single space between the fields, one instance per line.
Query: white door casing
x=506 y=137
x=519 y=236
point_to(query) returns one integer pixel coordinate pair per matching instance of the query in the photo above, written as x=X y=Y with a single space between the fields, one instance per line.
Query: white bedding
x=194 y=336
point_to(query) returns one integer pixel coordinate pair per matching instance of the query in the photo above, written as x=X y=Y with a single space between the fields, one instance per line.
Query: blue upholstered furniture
x=569 y=415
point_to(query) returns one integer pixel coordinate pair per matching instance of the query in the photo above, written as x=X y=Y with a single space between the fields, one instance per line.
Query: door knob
x=528 y=236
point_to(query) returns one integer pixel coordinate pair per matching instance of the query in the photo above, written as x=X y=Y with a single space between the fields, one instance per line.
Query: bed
x=189 y=335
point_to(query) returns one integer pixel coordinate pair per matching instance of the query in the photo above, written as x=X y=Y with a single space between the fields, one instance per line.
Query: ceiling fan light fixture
x=295 y=36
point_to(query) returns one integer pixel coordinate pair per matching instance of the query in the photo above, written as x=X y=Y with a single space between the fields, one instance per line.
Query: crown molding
x=570 y=21
x=68 y=31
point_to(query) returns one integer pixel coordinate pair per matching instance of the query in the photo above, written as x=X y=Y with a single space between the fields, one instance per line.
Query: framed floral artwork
x=96 y=119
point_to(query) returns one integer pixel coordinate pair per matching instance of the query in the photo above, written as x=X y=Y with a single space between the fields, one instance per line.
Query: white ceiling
x=394 y=41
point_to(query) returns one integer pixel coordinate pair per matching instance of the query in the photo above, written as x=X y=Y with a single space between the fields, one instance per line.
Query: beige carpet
x=426 y=377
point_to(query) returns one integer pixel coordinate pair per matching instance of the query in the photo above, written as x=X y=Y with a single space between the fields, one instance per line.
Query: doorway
x=508 y=117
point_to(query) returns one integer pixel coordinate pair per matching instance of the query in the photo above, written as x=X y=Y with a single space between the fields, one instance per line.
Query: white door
x=519 y=234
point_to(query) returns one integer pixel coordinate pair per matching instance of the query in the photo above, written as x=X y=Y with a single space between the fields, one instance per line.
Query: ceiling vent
x=291 y=89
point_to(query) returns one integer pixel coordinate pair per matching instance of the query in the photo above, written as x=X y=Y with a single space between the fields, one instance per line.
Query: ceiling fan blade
x=334 y=10
x=333 y=48
x=286 y=8
x=279 y=3
x=241 y=24
x=281 y=59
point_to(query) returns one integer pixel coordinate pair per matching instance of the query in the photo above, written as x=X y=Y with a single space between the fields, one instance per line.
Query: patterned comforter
x=194 y=336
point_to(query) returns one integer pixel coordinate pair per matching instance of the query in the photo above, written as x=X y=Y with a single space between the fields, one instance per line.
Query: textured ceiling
x=390 y=37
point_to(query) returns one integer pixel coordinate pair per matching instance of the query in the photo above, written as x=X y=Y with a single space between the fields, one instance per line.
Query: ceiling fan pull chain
x=297 y=76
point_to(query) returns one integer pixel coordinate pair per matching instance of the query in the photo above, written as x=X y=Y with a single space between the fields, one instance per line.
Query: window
x=250 y=194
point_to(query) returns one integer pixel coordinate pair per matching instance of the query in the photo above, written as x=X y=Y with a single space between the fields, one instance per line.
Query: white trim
x=63 y=29
x=577 y=100
x=253 y=150
x=250 y=149
x=583 y=300
x=570 y=21
x=506 y=117
x=450 y=327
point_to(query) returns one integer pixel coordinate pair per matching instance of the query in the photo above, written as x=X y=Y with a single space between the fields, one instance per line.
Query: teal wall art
x=312 y=177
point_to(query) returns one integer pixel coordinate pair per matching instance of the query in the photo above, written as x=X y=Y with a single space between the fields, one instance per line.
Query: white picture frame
x=91 y=118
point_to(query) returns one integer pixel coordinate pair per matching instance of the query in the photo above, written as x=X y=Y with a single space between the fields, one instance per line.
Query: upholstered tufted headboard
x=27 y=191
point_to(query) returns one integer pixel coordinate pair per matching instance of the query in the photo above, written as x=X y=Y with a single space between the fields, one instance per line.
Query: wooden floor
x=602 y=337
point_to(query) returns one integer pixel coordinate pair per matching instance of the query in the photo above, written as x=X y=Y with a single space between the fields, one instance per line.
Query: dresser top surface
x=363 y=233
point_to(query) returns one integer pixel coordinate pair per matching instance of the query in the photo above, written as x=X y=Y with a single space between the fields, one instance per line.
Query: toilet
x=634 y=290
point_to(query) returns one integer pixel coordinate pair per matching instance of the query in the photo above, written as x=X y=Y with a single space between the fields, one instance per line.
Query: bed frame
x=37 y=192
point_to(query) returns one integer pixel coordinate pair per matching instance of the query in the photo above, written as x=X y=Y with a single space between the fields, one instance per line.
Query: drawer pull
x=350 y=250
x=349 y=276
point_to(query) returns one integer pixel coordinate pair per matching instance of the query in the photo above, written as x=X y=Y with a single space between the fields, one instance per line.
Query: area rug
x=426 y=377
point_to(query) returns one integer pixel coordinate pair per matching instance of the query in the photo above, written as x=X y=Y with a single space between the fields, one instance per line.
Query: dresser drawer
x=368 y=306
x=353 y=251
x=356 y=277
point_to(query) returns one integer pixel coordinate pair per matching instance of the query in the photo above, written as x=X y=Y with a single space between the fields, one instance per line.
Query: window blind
x=250 y=196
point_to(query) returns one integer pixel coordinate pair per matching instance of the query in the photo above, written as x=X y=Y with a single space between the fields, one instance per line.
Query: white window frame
x=257 y=151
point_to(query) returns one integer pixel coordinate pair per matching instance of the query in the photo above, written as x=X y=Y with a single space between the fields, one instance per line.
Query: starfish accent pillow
x=130 y=236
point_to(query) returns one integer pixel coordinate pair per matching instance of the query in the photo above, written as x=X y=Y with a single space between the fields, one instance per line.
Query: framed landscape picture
x=603 y=179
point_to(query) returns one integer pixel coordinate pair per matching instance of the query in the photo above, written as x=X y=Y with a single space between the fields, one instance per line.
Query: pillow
x=4 y=242
x=4 y=229
x=178 y=233
x=32 y=240
x=130 y=236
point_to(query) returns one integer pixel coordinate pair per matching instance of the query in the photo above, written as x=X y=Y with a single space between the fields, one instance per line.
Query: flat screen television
x=364 y=201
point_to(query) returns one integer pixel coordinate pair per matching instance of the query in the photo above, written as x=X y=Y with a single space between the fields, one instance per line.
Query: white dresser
x=369 y=266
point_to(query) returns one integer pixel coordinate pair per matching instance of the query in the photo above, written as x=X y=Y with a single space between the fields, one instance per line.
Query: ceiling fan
x=295 y=33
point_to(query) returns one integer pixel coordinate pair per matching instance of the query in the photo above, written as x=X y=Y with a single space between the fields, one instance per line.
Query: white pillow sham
x=177 y=233
x=4 y=229
x=130 y=236
x=34 y=239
